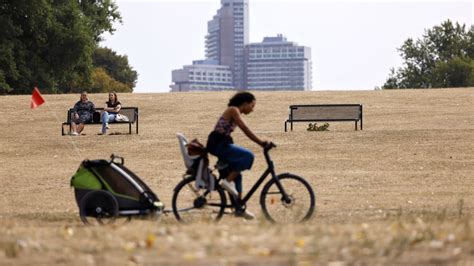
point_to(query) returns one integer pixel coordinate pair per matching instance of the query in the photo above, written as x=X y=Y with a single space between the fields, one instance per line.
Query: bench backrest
x=326 y=112
x=130 y=112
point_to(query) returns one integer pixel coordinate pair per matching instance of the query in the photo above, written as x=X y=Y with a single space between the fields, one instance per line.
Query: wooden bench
x=130 y=112
x=325 y=113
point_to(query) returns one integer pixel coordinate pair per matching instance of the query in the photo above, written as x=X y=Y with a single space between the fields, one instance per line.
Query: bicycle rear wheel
x=197 y=205
x=300 y=206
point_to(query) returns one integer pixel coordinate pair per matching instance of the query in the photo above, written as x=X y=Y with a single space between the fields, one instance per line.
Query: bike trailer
x=107 y=189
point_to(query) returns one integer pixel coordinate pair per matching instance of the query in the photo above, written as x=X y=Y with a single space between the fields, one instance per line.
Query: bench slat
x=326 y=112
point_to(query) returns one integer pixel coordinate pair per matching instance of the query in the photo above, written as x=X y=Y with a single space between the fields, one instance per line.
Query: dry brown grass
x=398 y=192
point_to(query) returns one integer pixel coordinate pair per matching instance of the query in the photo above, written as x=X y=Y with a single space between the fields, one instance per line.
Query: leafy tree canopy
x=116 y=66
x=52 y=44
x=102 y=82
x=443 y=57
x=99 y=16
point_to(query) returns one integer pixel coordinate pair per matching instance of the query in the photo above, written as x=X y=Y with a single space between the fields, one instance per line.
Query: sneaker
x=229 y=186
x=247 y=215
x=74 y=133
x=107 y=126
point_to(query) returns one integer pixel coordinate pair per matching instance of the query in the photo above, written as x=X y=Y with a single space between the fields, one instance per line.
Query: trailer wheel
x=98 y=207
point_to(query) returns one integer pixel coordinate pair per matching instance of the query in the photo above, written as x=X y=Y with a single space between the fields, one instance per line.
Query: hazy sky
x=354 y=43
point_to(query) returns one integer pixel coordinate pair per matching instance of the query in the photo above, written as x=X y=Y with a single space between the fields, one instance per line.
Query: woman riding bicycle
x=220 y=144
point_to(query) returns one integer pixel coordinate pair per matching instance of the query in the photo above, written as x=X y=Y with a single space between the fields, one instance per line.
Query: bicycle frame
x=268 y=171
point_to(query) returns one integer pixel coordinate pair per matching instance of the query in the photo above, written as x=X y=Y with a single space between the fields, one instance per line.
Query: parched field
x=400 y=192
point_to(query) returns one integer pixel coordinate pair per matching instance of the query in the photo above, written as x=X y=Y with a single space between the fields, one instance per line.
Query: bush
x=315 y=127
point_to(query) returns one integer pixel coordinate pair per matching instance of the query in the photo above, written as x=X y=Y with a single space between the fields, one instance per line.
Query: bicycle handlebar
x=270 y=145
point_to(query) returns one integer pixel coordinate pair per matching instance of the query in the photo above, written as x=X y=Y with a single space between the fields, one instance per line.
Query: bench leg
x=285 y=126
x=356 y=125
x=62 y=129
x=291 y=126
x=130 y=128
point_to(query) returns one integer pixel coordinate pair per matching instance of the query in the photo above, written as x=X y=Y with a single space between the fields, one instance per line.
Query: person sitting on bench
x=110 y=112
x=82 y=114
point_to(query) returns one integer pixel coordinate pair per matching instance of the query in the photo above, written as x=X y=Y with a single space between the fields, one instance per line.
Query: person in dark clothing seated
x=82 y=113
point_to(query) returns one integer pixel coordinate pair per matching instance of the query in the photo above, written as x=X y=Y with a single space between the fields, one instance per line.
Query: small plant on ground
x=315 y=127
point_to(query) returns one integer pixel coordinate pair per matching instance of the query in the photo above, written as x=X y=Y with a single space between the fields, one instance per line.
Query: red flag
x=36 y=98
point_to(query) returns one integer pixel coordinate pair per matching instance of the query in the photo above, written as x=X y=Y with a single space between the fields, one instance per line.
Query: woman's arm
x=75 y=109
x=117 y=108
x=113 y=109
x=234 y=113
x=108 y=109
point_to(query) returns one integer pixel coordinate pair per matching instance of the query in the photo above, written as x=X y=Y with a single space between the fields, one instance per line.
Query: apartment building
x=277 y=64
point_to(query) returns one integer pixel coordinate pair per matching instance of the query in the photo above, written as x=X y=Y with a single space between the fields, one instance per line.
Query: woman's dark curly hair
x=240 y=98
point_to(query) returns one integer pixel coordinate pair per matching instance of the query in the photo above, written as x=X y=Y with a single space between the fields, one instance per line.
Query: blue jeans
x=106 y=118
x=238 y=158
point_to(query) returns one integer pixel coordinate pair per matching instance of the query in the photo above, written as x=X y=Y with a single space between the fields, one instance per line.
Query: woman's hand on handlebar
x=268 y=145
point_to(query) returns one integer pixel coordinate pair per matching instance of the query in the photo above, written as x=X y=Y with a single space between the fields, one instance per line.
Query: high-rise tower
x=233 y=64
x=228 y=33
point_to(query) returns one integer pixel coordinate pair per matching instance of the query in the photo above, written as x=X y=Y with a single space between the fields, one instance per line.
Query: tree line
x=442 y=58
x=54 y=45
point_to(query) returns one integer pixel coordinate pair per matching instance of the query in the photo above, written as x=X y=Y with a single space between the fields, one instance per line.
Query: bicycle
x=280 y=198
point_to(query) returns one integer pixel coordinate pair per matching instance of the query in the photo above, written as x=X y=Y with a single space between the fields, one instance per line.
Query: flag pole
x=36 y=101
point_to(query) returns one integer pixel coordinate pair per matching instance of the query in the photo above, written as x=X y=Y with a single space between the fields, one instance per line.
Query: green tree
x=116 y=66
x=23 y=25
x=102 y=82
x=50 y=43
x=456 y=72
x=442 y=58
x=100 y=16
x=4 y=87
x=70 y=48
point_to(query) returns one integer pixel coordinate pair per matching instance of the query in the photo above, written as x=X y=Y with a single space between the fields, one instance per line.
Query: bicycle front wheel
x=197 y=205
x=300 y=204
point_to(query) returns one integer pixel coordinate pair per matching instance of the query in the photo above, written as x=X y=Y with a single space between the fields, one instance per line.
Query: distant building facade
x=202 y=75
x=228 y=33
x=276 y=64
